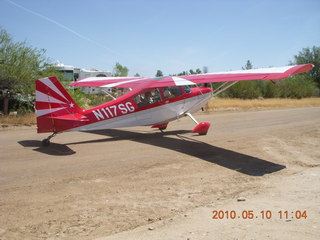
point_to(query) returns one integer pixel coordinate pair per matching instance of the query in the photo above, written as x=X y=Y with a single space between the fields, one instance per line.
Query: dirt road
x=137 y=183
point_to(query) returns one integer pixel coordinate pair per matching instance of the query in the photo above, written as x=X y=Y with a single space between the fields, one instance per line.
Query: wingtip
x=300 y=69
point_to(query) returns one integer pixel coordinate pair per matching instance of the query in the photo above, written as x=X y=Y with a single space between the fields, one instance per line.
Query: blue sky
x=170 y=35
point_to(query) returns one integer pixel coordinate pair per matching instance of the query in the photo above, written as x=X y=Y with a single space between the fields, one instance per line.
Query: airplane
x=150 y=102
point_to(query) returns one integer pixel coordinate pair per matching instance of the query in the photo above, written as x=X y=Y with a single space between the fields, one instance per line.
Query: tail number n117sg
x=112 y=111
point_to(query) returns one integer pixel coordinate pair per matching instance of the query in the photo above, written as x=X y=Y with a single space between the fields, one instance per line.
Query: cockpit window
x=147 y=98
x=170 y=92
x=187 y=89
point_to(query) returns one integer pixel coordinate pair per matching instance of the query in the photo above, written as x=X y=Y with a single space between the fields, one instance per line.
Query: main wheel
x=45 y=142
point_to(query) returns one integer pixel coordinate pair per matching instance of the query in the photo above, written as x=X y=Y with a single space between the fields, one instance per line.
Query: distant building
x=70 y=73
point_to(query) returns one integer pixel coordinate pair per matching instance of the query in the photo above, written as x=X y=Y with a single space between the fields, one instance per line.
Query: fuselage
x=145 y=107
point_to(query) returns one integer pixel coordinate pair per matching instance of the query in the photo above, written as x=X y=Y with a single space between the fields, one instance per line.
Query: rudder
x=52 y=102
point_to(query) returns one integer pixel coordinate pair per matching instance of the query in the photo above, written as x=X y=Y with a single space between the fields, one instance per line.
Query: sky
x=167 y=35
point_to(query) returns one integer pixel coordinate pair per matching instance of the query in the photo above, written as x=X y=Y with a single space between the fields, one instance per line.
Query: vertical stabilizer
x=55 y=109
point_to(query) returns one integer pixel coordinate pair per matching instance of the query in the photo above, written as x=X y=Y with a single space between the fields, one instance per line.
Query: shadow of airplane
x=54 y=149
x=190 y=146
x=226 y=158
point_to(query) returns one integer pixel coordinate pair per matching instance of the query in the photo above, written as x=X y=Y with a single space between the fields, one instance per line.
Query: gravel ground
x=137 y=183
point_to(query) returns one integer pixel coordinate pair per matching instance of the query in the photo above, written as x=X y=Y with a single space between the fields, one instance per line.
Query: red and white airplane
x=151 y=102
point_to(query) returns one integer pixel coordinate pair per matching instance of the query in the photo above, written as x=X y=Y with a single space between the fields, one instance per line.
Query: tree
x=120 y=71
x=137 y=75
x=192 y=72
x=159 y=73
x=247 y=66
x=20 y=66
x=183 y=73
x=310 y=55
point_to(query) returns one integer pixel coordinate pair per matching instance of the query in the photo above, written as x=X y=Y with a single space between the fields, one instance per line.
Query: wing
x=242 y=75
x=120 y=82
x=231 y=76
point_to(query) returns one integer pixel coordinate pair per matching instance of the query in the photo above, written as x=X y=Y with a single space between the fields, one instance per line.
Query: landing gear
x=46 y=142
x=201 y=128
x=161 y=127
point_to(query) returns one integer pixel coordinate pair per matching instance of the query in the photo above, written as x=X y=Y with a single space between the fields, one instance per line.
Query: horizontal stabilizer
x=72 y=117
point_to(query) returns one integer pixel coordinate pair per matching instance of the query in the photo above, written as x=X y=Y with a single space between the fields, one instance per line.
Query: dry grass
x=18 y=120
x=231 y=103
x=214 y=104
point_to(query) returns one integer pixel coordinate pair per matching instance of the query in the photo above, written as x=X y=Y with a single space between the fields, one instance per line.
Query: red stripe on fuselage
x=126 y=105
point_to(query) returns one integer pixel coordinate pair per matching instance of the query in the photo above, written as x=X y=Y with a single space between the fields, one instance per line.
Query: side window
x=170 y=92
x=149 y=97
x=187 y=89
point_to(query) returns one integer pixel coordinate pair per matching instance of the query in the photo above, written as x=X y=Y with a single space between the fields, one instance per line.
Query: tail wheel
x=45 y=142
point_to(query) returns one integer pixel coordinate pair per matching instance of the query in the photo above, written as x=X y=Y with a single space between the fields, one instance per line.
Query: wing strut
x=222 y=88
x=109 y=94
x=193 y=119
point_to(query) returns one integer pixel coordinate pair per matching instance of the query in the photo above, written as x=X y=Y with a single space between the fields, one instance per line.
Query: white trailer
x=70 y=73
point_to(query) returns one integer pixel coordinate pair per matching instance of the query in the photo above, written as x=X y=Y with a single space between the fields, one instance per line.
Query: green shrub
x=270 y=90
x=244 y=90
x=299 y=86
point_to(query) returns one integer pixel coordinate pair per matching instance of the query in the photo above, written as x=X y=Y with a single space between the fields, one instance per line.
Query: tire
x=45 y=142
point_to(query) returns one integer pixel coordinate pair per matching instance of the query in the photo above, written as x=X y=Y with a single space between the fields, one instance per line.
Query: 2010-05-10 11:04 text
x=264 y=214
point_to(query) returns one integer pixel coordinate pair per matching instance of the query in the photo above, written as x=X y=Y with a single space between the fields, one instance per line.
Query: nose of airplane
x=203 y=90
x=206 y=90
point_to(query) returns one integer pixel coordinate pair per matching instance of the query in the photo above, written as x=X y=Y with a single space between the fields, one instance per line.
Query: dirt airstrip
x=138 y=183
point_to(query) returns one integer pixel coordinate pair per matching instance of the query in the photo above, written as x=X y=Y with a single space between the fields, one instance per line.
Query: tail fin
x=56 y=110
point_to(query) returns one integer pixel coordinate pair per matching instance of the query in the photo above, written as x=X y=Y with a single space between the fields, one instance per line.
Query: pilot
x=175 y=91
x=148 y=97
x=146 y=100
x=167 y=93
